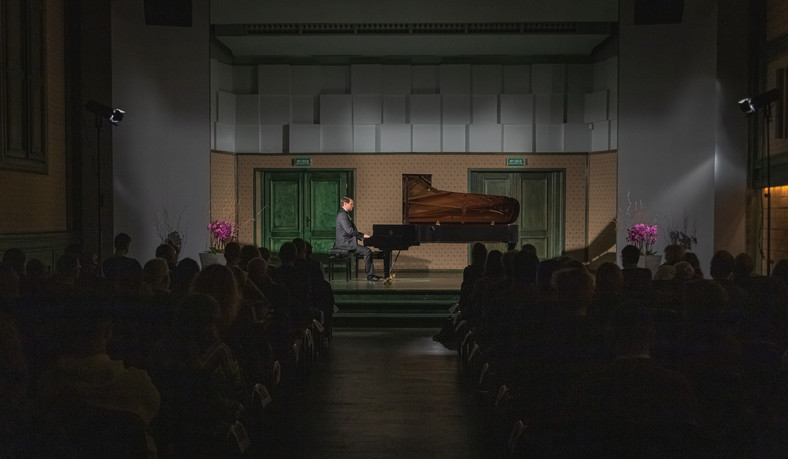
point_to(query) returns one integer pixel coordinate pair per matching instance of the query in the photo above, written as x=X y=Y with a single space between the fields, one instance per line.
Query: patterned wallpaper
x=223 y=177
x=37 y=202
x=378 y=191
x=602 y=209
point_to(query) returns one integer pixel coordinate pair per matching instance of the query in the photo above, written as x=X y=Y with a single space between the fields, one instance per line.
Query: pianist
x=347 y=237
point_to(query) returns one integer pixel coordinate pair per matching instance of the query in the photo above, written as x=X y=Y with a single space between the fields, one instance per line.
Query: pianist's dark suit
x=347 y=237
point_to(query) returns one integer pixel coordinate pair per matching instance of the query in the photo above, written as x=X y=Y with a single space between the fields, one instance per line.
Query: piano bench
x=336 y=260
x=376 y=255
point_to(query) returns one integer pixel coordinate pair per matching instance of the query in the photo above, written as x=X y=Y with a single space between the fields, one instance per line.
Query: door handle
x=308 y=221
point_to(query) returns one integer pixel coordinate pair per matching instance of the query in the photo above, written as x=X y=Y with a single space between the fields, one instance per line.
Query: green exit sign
x=302 y=162
x=516 y=162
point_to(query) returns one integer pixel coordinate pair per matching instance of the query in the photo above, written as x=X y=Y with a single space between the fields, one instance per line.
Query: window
x=22 y=85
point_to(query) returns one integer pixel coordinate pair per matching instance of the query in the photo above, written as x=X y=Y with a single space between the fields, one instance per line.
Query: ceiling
x=414 y=30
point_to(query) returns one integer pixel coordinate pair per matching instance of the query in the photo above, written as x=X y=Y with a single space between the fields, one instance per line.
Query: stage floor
x=402 y=281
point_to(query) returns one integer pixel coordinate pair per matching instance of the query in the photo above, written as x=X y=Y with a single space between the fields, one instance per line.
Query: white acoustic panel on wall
x=484 y=109
x=455 y=79
x=596 y=106
x=273 y=79
x=606 y=74
x=274 y=109
x=518 y=138
x=517 y=108
x=613 y=134
x=549 y=108
x=395 y=109
x=247 y=109
x=456 y=109
x=600 y=136
x=365 y=138
x=367 y=108
x=226 y=107
x=425 y=108
x=612 y=104
x=577 y=138
x=245 y=79
x=272 y=139
x=247 y=138
x=486 y=79
x=454 y=138
x=395 y=138
x=336 y=138
x=611 y=79
x=365 y=79
x=549 y=138
x=548 y=78
x=516 y=79
x=579 y=78
x=575 y=108
x=225 y=137
x=424 y=79
x=485 y=138
x=305 y=80
x=336 y=109
x=396 y=80
x=335 y=79
x=221 y=76
x=426 y=138
x=304 y=138
x=303 y=109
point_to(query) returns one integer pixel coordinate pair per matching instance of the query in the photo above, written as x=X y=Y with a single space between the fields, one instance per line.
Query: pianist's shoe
x=373 y=278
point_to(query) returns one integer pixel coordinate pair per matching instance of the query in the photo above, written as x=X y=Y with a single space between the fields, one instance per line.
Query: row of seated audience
x=621 y=363
x=184 y=356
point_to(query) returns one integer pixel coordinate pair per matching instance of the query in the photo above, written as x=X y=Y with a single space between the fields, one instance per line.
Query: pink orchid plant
x=643 y=237
x=221 y=232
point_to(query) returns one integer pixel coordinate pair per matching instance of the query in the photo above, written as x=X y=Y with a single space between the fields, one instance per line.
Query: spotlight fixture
x=753 y=104
x=113 y=115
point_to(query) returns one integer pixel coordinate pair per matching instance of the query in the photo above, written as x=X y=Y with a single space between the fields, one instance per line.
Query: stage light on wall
x=113 y=115
x=753 y=104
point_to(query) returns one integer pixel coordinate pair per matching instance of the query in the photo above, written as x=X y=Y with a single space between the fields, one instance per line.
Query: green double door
x=541 y=196
x=300 y=203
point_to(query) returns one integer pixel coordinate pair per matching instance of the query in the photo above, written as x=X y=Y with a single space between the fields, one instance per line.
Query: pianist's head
x=347 y=203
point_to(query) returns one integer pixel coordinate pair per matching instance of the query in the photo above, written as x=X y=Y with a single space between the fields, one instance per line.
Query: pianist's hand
x=367 y=236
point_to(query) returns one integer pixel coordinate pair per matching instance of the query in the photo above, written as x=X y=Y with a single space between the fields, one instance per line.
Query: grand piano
x=433 y=215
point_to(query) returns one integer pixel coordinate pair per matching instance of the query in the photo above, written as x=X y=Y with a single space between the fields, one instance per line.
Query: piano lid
x=422 y=203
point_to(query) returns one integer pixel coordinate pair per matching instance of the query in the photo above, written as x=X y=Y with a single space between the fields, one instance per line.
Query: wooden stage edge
x=446 y=281
x=411 y=299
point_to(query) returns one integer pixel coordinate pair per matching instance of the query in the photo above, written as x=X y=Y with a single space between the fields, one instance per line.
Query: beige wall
x=379 y=199
x=33 y=203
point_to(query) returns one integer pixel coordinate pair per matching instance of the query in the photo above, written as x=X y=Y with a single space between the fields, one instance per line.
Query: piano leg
x=386 y=263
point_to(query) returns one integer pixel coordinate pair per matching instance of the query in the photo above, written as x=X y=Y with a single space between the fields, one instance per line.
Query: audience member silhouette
x=86 y=374
x=637 y=281
x=123 y=272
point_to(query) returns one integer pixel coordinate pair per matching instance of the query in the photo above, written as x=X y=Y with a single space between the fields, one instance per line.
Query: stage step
x=393 y=309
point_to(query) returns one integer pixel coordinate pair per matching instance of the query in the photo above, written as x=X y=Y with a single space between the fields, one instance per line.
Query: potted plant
x=220 y=233
x=644 y=237
x=682 y=235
